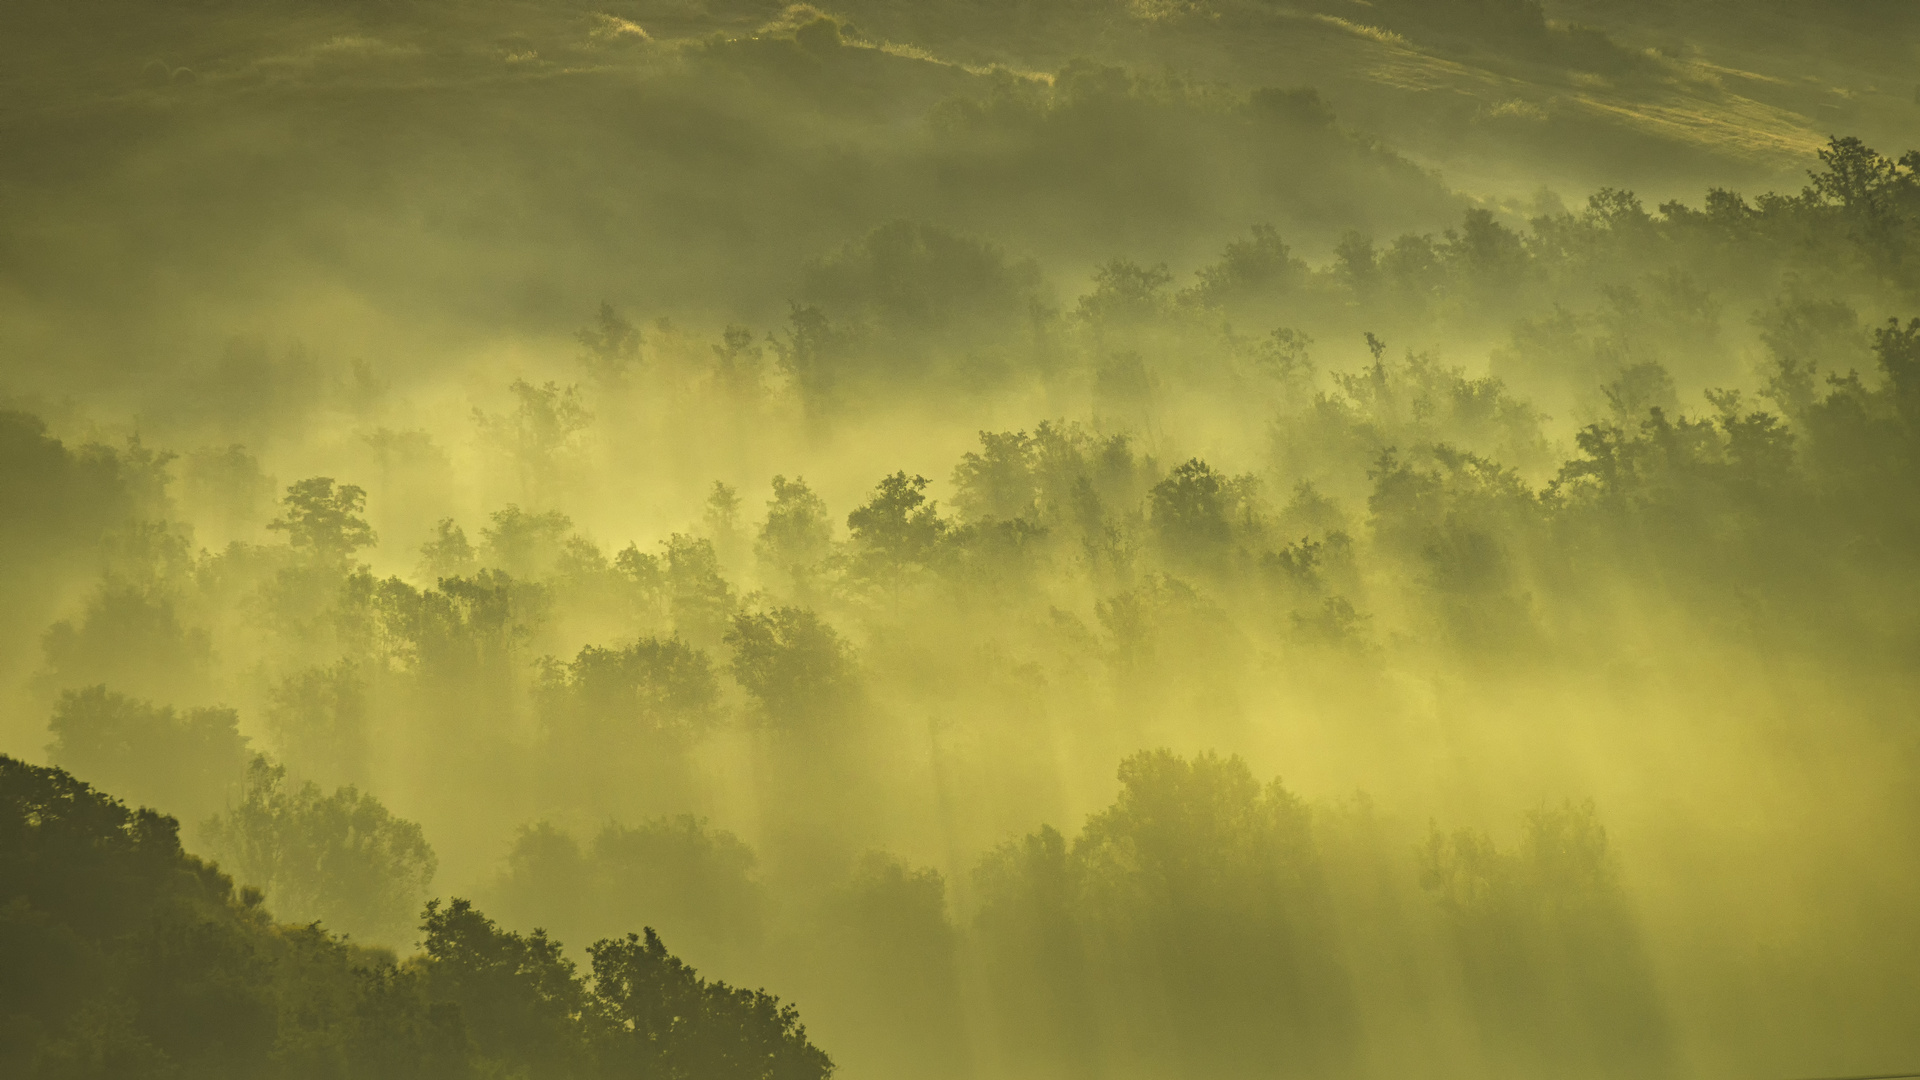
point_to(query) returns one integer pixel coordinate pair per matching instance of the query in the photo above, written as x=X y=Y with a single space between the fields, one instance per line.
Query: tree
x=447 y=553
x=1260 y=268
x=721 y=520
x=324 y=520
x=1610 y=208
x=613 y=346
x=799 y=672
x=523 y=1001
x=1125 y=293
x=542 y=427
x=342 y=859
x=1284 y=356
x=738 y=364
x=1488 y=251
x=796 y=536
x=1192 y=911
x=698 y=595
x=59 y=501
x=319 y=717
x=681 y=875
x=1876 y=196
x=1897 y=349
x=1639 y=389
x=131 y=638
x=1190 y=513
x=122 y=956
x=896 y=532
x=186 y=763
x=912 y=278
x=645 y=1012
x=524 y=544
x=1030 y=932
x=1555 y=969
x=811 y=354
x=652 y=688
x=461 y=634
x=997 y=482
x=1358 y=264
x=886 y=949
x=226 y=484
x=667 y=1021
x=91 y=893
x=1806 y=339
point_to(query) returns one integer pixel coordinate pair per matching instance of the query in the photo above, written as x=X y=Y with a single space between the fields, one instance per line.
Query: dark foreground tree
x=123 y=957
x=664 y=1020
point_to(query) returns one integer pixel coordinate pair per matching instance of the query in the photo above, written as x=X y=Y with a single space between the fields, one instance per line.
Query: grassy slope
x=497 y=163
x=1746 y=93
x=1702 y=93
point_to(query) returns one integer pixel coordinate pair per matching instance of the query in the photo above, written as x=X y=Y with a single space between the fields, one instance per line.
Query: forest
x=1052 y=539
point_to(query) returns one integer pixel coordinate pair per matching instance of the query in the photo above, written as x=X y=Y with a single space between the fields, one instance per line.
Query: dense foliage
x=126 y=957
x=1077 y=584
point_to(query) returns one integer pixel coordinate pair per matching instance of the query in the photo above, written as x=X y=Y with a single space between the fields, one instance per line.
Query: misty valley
x=1054 y=539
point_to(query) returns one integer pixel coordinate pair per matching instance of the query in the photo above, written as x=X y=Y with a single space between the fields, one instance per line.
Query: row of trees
x=914 y=308
x=1028 y=507
x=1452 y=543
x=1204 y=924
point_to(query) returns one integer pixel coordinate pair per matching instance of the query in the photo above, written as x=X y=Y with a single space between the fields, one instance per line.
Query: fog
x=1062 y=540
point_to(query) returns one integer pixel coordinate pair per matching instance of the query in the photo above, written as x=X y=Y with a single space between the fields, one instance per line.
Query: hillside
x=435 y=165
x=1081 y=539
